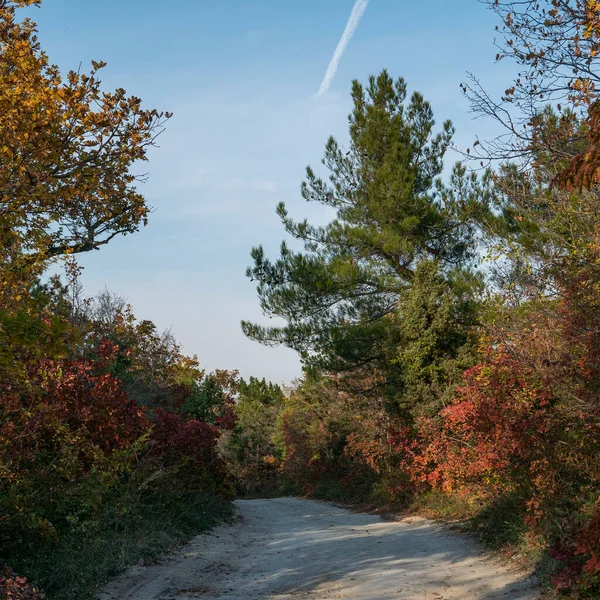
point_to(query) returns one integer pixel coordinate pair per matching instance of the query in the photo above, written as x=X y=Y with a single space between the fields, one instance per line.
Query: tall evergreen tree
x=392 y=211
x=433 y=339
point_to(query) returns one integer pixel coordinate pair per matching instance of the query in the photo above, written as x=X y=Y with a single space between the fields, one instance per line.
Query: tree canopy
x=68 y=153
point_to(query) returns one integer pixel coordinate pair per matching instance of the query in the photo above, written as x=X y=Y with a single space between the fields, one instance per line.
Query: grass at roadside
x=76 y=566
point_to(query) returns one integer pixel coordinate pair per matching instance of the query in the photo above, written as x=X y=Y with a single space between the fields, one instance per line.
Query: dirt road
x=306 y=550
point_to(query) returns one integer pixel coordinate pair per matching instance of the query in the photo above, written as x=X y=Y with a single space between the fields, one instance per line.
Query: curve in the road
x=287 y=548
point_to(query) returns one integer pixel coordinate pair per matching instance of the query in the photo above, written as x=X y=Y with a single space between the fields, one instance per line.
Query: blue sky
x=241 y=78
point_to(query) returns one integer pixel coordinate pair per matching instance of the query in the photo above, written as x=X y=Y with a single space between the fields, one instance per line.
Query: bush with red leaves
x=63 y=442
x=13 y=587
x=497 y=427
x=513 y=430
x=72 y=407
x=188 y=445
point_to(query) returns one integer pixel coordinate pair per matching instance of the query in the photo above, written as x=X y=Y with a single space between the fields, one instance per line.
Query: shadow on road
x=310 y=546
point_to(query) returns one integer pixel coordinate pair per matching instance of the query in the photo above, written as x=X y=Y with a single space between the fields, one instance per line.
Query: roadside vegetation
x=108 y=432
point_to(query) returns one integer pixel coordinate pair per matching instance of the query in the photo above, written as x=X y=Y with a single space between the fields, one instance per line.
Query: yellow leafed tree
x=68 y=154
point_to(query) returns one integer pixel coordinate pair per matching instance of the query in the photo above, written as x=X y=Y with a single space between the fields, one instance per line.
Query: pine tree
x=433 y=339
x=338 y=295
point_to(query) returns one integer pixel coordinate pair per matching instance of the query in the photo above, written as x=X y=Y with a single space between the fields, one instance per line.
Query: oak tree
x=68 y=152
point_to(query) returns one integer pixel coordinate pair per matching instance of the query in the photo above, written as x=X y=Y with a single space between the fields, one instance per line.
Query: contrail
x=355 y=16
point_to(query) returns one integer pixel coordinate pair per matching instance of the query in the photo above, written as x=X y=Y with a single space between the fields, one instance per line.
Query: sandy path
x=301 y=549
